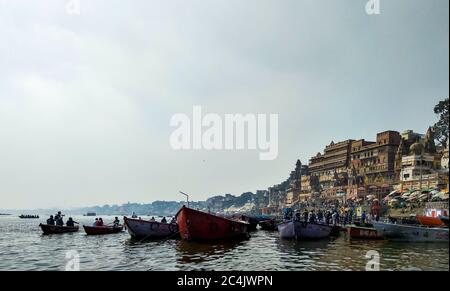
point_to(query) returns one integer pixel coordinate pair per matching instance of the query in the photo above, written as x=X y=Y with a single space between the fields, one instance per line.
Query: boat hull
x=410 y=233
x=143 y=229
x=357 y=232
x=102 y=230
x=53 y=229
x=269 y=225
x=430 y=221
x=198 y=225
x=311 y=231
x=286 y=230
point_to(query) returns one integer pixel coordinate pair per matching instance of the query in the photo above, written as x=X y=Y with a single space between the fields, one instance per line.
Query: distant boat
x=145 y=229
x=4 y=214
x=23 y=216
x=101 y=230
x=90 y=214
x=411 y=233
x=199 y=225
x=54 y=229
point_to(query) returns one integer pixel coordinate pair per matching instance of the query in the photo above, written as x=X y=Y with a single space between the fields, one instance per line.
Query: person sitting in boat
x=152 y=219
x=100 y=222
x=51 y=220
x=59 y=221
x=95 y=222
x=164 y=220
x=173 y=221
x=116 y=222
x=70 y=222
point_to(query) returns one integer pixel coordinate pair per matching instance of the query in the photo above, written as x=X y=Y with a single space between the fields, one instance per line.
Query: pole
x=187 y=197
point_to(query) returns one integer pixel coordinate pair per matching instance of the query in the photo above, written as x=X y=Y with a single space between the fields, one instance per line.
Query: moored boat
x=199 y=225
x=145 y=229
x=55 y=229
x=360 y=232
x=430 y=221
x=411 y=233
x=252 y=222
x=100 y=230
x=311 y=231
x=269 y=225
x=287 y=230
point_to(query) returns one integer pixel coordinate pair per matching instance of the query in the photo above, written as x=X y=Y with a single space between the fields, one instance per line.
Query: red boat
x=99 y=230
x=359 y=232
x=198 y=225
x=430 y=221
x=54 y=229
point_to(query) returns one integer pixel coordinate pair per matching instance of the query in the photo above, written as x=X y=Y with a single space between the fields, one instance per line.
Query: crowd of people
x=331 y=213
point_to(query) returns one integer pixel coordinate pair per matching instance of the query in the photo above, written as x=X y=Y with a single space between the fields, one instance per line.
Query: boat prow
x=144 y=229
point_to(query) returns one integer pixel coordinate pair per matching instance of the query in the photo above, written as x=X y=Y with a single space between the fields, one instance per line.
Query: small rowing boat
x=145 y=229
x=55 y=229
x=100 y=230
x=198 y=225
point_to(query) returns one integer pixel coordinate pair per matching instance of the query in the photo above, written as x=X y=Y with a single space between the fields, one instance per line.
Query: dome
x=416 y=148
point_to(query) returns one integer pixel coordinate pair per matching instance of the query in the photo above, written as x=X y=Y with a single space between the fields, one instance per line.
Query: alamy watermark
x=373 y=7
x=73 y=7
x=373 y=263
x=72 y=261
x=230 y=132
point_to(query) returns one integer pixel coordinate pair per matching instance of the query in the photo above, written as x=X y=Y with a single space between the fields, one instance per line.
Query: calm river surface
x=23 y=247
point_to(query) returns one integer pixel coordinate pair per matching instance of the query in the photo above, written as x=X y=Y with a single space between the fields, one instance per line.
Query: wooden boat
x=23 y=216
x=252 y=222
x=411 y=233
x=430 y=221
x=311 y=231
x=198 y=225
x=287 y=230
x=54 y=229
x=145 y=229
x=269 y=225
x=99 y=230
x=361 y=232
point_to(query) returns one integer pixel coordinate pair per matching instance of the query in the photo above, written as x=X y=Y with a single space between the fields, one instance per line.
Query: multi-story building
x=375 y=161
x=330 y=168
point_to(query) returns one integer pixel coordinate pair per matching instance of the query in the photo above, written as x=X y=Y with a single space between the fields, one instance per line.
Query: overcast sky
x=86 y=100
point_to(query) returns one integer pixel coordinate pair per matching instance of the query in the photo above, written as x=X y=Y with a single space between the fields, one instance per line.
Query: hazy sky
x=86 y=100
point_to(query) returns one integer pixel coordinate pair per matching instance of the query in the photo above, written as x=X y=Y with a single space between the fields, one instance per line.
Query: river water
x=23 y=247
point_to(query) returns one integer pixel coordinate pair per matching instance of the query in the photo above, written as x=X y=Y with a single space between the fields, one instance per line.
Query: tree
x=440 y=129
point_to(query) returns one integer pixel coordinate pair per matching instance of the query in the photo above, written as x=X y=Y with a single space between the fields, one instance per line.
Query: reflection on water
x=23 y=247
